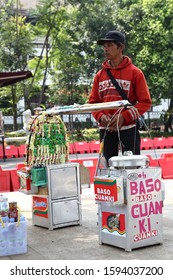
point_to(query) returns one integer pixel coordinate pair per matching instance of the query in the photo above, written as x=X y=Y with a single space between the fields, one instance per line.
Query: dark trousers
x=129 y=141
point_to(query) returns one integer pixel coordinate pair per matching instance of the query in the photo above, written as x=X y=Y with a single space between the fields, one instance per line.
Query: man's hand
x=104 y=120
x=113 y=123
x=117 y=122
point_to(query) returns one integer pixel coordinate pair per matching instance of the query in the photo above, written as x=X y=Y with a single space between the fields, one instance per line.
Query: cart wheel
x=128 y=250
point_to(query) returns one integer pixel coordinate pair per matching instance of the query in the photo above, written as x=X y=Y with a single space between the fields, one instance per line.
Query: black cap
x=112 y=36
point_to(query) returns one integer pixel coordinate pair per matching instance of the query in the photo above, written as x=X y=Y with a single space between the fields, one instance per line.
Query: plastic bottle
x=3 y=206
x=13 y=211
x=5 y=219
x=21 y=234
x=22 y=218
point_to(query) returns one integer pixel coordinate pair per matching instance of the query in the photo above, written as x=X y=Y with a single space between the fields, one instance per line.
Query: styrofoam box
x=13 y=238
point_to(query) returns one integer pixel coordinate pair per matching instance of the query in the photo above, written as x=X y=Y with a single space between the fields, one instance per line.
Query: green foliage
x=65 y=97
x=149 y=28
x=13 y=53
x=93 y=20
x=69 y=31
x=153 y=134
x=16 y=45
x=84 y=135
x=15 y=134
x=93 y=134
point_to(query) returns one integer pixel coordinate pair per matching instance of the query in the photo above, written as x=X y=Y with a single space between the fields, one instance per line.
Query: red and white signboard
x=108 y=190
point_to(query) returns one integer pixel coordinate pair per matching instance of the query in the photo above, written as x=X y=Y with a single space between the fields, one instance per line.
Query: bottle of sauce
x=13 y=211
x=3 y=206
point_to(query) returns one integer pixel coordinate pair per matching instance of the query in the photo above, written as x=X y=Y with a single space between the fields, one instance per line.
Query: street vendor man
x=119 y=127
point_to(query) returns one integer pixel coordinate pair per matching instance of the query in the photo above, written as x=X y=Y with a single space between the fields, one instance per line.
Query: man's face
x=112 y=50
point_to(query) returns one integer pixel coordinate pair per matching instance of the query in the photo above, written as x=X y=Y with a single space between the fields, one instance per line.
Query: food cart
x=53 y=182
x=130 y=198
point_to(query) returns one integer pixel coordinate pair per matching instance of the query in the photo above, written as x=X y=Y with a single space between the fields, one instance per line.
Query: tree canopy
x=70 y=56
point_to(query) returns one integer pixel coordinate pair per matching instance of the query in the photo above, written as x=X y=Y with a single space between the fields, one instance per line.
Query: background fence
x=86 y=120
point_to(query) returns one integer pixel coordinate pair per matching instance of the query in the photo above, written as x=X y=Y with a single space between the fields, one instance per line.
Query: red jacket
x=132 y=81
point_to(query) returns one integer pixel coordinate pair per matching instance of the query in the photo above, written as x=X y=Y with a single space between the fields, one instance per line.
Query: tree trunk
x=14 y=108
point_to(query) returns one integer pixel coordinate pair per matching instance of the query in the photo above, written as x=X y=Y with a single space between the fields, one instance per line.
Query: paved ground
x=81 y=242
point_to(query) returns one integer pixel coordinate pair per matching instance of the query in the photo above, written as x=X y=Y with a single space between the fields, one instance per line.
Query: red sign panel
x=40 y=206
x=105 y=190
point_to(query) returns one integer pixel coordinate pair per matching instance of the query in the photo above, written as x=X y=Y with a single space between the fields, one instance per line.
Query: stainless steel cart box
x=62 y=206
x=138 y=221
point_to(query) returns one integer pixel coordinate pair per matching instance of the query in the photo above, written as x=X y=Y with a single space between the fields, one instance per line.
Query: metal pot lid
x=128 y=161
